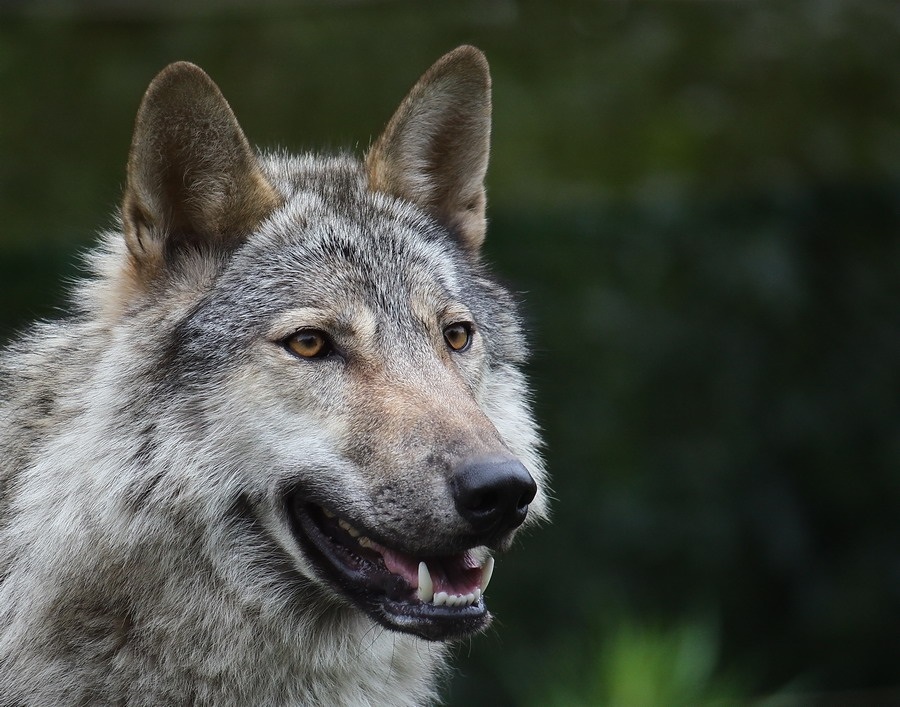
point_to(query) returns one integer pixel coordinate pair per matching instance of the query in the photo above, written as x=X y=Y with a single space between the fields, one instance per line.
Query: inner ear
x=434 y=151
x=193 y=179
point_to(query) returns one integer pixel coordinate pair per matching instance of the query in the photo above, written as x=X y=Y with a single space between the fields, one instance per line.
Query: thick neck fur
x=186 y=642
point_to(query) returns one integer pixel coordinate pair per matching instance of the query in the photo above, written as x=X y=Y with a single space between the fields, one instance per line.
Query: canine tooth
x=477 y=595
x=425 y=591
x=440 y=598
x=487 y=569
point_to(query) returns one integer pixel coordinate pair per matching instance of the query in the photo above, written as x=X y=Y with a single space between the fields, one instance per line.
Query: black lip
x=385 y=597
x=434 y=623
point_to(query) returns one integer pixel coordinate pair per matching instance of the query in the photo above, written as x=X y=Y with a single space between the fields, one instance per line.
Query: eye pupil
x=458 y=336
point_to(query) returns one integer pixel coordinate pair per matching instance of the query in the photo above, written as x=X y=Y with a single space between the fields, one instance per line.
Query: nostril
x=493 y=493
x=483 y=503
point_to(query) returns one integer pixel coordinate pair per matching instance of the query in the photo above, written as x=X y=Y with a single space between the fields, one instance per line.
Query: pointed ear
x=434 y=151
x=193 y=180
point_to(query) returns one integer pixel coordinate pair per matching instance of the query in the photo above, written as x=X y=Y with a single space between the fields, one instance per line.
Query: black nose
x=493 y=494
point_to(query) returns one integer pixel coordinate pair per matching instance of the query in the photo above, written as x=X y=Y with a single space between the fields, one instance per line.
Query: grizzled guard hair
x=269 y=457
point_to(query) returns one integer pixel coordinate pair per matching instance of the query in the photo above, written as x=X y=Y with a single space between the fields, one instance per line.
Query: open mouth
x=437 y=597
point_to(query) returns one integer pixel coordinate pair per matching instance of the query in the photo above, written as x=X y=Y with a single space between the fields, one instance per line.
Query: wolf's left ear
x=434 y=151
x=193 y=180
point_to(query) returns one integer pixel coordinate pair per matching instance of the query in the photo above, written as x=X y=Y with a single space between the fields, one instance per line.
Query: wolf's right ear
x=434 y=151
x=193 y=180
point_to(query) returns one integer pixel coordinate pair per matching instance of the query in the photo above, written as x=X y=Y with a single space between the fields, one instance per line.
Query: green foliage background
x=700 y=202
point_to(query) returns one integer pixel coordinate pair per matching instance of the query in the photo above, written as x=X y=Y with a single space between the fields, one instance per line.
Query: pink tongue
x=455 y=574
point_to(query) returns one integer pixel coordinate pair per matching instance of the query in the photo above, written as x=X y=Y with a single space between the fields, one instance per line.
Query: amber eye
x=458 y=336
x=309 y=343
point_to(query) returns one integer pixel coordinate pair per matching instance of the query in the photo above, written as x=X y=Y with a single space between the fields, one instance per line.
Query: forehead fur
x=332 y=234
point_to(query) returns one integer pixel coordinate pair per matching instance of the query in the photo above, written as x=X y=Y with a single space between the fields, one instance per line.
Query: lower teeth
x=444 y=599
x=426 y=595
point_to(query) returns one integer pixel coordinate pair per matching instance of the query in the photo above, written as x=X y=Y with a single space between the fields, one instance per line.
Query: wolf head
x=341 y=371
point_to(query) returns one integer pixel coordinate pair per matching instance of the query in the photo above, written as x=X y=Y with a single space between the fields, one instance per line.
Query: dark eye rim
x=468 y=328
x=329 y=350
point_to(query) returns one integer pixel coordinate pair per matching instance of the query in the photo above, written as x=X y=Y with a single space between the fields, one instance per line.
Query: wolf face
x=331 y=350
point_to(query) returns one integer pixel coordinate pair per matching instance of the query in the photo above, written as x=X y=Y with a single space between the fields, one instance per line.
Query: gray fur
x=147 y=442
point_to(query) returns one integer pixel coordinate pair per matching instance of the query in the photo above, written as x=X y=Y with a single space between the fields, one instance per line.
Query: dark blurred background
x=700 y=202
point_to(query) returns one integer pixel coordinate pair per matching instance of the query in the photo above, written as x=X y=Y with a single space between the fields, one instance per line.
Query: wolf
x=268 y=457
